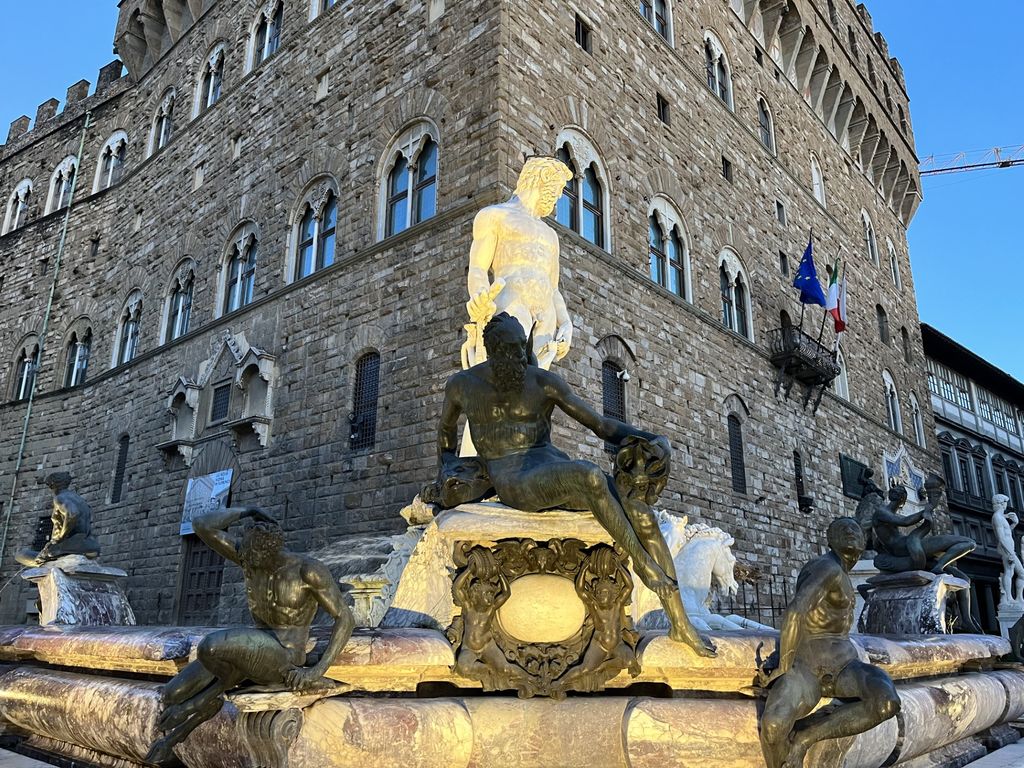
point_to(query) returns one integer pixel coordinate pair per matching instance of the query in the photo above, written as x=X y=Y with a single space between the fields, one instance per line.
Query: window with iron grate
x=364 y=413
x=613 y=392
x=44 y=529
x=736 y=461
x=220 y=403
x=119 y=469
x=201 y=580
x=798 y=477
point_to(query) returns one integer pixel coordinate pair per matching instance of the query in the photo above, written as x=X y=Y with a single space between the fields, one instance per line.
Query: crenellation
x=19 y=128
x=109 y=74
x=46 y=111
x=76 y=93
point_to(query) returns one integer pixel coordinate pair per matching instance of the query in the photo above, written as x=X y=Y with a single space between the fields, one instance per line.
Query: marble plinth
x=1009 y=613
x=73 y=712
x=78 y=591
x=911 y=603
x=863 y=570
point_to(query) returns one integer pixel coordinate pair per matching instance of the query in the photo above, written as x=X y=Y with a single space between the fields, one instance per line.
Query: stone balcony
x=800 y=358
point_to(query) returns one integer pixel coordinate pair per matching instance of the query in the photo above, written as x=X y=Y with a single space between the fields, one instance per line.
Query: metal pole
x=42 y=340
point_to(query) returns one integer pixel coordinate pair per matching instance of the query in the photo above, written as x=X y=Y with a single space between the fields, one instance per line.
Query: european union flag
x=806 y=280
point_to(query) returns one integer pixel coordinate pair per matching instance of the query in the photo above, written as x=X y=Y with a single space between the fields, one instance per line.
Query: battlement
x=146 y=29
x=76 y=94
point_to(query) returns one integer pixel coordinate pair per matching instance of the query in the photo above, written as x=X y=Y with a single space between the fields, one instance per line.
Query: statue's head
x=262 y=545
x=1000 y=502
x=541 y=183
x=934 y=487
x=57 y=481
x=507 y=345
x=897 y=496
x=846 y=538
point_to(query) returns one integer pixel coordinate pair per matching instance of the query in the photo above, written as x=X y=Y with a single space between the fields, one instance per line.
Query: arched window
x=894 y=266
x=25 y=372
x=317 y=230
x=112 y=159
x=737 y=463
x=163 y=123
x=842 y=381
x=657 y=14
x=908 y=352
x=904 y=127
x=735 y=295
x=79 y=348
x=211 y=80
x=128 y=329
x=409 y=182
x=364 y=402
x=18 y=207
x=918 y=417
x=321 y=6
x=567 y=213
x=266 y=35
x=583 y=207
x=817 y=181
x=240 y=271
x=179 y=305
x=669 y=257
x=883 y=324
x=62 y=184
x=833 y=15
x=870 y=242
x=888 y=98
x=892 y=403
x=613 y=395
x=718 y=71
x=765 y=126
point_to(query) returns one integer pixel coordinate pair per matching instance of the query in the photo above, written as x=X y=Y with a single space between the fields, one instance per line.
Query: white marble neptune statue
x=1012 y=578
x=515 y=246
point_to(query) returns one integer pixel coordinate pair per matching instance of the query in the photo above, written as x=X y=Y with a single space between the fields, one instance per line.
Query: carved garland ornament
x=602 y=646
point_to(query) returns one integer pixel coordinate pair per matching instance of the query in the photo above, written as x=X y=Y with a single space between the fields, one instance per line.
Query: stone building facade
x=979 y=422
x=264 y=259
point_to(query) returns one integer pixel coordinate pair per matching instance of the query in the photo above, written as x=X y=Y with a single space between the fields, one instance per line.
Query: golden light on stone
x=542 y=609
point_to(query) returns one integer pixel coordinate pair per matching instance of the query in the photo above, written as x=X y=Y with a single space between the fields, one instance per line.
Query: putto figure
x=816 y=660
x=512 y=241
x=72 y=526
x=508 y=403
x=284 y=590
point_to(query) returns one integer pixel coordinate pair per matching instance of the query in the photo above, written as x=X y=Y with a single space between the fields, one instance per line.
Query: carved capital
x=269 y=735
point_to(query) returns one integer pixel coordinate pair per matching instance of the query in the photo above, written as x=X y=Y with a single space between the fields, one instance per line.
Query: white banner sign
x=205 y=494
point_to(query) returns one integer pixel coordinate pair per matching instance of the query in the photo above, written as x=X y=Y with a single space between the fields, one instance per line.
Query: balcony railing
x=801 y=358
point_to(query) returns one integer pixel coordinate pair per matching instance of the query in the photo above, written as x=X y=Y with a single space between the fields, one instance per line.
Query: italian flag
x=835 y=304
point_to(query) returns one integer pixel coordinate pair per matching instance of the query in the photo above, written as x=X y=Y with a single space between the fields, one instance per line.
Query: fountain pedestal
x=911 y=603
x=76 y=590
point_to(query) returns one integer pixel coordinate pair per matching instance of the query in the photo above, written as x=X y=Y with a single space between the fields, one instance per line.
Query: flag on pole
x=806 y=280
x=836 y=304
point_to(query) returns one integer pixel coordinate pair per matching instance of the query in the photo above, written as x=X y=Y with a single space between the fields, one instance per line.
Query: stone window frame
x=884 y=329
x=894 y=265
x=245 y=238
x=123 y=349
x=737 y=276
x=179 y=301
x=716 y=64
x=114 y=151
x=213 y=65
x=321 y=191
x=649 y=10
x=408 y=145
x=79 y=330
x=584 y=156
x=870 y=237
x=271 y=15
x=62 y=182
x=818 y=190
x=318 y=8
x=894 y=414
x=163 y=122
x=766 y=124
x=16 y=215
x=25 y=368
x=918 y=419
x=663 y=210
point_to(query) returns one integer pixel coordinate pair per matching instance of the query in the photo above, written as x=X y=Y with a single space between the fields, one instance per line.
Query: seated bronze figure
x=72 y=526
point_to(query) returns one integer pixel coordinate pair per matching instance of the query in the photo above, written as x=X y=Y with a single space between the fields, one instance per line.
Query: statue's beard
x=509 y=374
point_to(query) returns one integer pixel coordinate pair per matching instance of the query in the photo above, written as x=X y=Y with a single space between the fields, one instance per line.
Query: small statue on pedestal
x=817 y=660
x=1011 y=581
x=920 y=549
x=284 y=590
x=508 y=402
x=72 y=526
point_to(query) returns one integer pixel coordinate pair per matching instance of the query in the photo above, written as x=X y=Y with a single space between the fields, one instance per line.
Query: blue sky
x=966 y=84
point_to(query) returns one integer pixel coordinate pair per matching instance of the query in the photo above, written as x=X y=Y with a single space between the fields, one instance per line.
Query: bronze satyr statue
x=920 y=549
x=72 y=526
x=508 y=402
x=284 y=590
x=817 y=660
